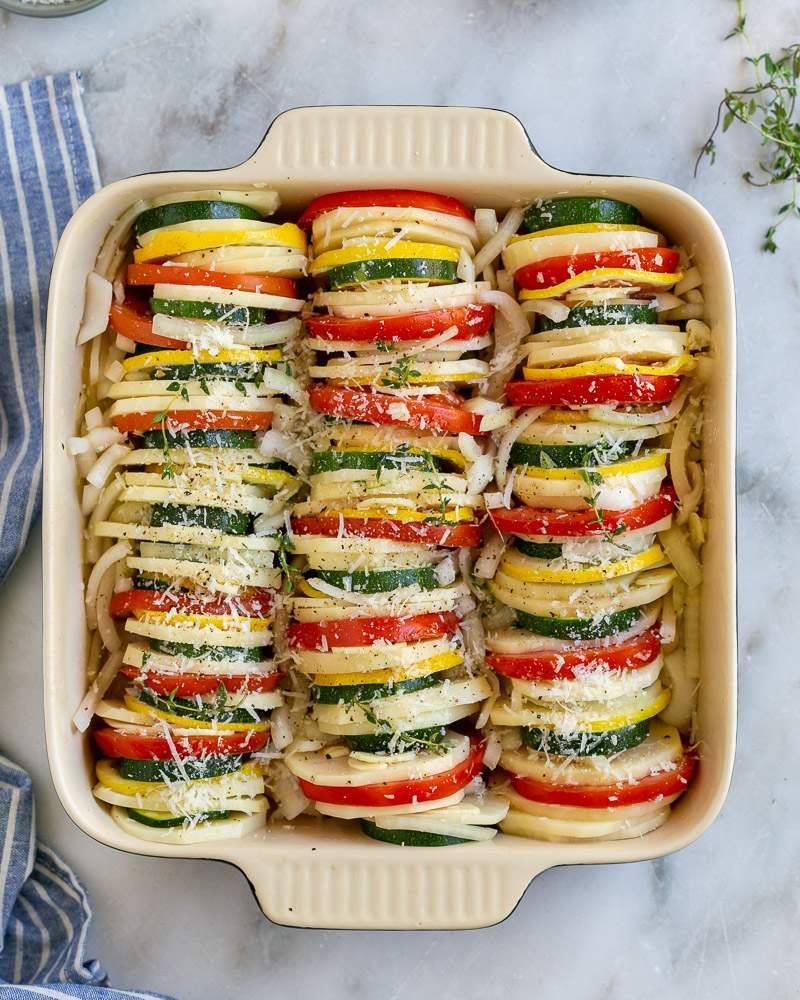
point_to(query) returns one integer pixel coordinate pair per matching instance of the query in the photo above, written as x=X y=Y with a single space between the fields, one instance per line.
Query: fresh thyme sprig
x=768 y=105
x=593 y=479
x=286 y=545
x=400 y=374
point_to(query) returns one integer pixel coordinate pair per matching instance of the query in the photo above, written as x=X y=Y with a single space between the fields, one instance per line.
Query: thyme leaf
x=769 y=106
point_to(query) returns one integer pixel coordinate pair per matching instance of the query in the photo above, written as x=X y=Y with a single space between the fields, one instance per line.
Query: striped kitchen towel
x=47 y=168
x=44 y=910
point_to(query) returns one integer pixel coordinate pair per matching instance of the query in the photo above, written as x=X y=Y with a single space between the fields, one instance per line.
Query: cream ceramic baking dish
x=329 y=876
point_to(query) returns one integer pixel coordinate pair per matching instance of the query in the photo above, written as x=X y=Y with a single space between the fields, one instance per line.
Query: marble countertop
x=614 y=87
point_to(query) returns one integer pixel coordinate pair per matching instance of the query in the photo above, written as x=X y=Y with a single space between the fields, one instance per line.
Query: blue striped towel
x=47 y=168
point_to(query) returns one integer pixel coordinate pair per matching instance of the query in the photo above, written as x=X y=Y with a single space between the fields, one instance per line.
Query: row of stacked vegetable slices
x=584 y=585
x=186 y=487
x=398 y=336
x=411 y=334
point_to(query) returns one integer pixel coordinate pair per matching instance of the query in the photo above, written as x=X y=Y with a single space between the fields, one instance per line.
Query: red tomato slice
x=367 y=631
x=400 y=793
x=530 y=521
x=188 y=685
x=472 y=321
x=131 y=321
x=647 y=789
x=384 y=198
x=430 y=413
x=453 y=535
x=623 y=390
x=255 y=604
x=156 y=274
x=154 y=746
x=548 y=665
x=554 y=270
x=185 y=420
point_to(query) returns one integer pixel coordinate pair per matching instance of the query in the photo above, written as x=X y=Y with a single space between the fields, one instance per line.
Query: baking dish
x=307 y=874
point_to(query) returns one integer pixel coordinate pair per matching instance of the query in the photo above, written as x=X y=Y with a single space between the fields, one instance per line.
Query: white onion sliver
x=125 y=344
x=77 y=446
x=85 y=711
x=111 y=556
x=466 y=269
x=281 y=727
x=680 y=554
x=678 y=449
x=105 y=623
x=517 y=427
x=508 y=337
x=485 y=224
x=99 y=294
x=103 y=467
x=494 y=246
x=550 y=308
x=491 y=554
x=94 y=418
x=89 y=498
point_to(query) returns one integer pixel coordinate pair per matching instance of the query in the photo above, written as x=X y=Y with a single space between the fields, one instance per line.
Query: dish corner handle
x=394 y=140
x=405 y=892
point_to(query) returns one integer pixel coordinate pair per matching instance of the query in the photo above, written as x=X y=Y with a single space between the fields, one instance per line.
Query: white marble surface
x=615 y=87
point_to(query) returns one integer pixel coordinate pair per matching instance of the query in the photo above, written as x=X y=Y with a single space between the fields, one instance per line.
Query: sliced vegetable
x=179 y=422
x=368 y=631
x=435 y=413
x=396 y=793
x=255 y=603
x=138 y=744
x=605 y=314
x=550 y=213
x=579 y=628
x=211 y=766
x=471 y=321
x=408 y=838
x=574 y=523
x=554 y=271
x=648 y=789
x=420 y=532
x=384 y=198
x=545 y=665
x=583 y=390
x=585 y=744
x=188 y=685
x=380 y=581
x=186 y=211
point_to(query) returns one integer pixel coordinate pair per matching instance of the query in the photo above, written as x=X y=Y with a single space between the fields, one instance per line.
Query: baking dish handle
x=340 y=885
x=448 y=145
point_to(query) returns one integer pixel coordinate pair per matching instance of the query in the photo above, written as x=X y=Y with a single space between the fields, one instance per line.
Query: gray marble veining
x=624 y=86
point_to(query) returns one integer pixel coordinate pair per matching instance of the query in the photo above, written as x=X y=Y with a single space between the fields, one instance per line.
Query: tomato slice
x=156 y=274
x=623 y=390
x=189 y=685
x=185 y=420
x=255 y=603
x=131 y=320
x=647 y=789
x=548 y=665
x=154 y=746
x=554 y=270
x=453 y=535
x=432 y=413
x=367 y=631
x=401 y=793
x=471 y=321
x=574 y=523
x=383 y=198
